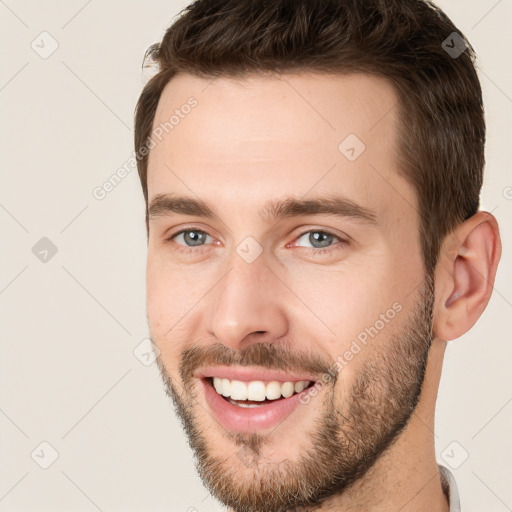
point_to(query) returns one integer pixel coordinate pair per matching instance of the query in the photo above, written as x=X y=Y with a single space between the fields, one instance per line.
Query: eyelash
x=311 y=251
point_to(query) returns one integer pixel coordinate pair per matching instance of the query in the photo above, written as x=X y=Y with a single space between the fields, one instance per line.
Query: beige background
x=70 y=325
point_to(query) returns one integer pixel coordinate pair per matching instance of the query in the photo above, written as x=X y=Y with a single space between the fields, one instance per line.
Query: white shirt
x=450 y=488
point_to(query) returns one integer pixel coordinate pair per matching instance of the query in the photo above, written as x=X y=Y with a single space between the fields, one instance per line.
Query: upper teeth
x=257 y=390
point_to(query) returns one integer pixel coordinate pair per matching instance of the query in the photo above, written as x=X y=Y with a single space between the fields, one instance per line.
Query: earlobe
x=465 y=275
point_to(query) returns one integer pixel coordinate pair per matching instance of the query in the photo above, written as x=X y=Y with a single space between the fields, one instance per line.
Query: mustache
x=266 y=355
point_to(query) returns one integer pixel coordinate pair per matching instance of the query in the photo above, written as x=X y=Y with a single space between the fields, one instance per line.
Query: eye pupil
x=318 y=236
x=193 y=238
x=318 y=239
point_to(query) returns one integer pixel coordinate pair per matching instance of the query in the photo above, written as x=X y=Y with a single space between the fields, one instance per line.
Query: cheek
x=156 y=293
x=164 y=298
x=341 y=298
x=162 y=314
x=173 y=299
x=354 y=310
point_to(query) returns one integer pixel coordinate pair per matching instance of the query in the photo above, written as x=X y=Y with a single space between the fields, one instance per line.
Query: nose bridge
x=246 y=301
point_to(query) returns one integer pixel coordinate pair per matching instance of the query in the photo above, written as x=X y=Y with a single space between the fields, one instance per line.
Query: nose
x=247 y=305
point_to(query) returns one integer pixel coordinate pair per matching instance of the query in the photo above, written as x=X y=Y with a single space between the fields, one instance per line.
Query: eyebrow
x=168 y=204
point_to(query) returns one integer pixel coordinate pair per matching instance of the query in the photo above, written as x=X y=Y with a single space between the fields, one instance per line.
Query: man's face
x=256 y=302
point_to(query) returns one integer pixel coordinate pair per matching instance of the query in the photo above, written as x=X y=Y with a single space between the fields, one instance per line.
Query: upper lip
x=247 y=373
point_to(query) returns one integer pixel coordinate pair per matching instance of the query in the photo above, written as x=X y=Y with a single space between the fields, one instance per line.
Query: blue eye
x=319 y=239
x=189 y=241
x=191 y=237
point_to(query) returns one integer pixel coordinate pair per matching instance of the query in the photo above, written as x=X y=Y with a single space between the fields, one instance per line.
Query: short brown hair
x=442 y=127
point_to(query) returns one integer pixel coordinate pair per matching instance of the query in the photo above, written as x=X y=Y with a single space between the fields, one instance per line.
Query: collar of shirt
x=450 y=488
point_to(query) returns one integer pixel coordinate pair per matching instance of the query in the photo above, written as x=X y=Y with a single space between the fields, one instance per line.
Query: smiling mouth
x=256 y=393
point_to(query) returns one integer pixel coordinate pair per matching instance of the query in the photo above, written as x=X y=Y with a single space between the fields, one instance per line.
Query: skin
x=277 y=137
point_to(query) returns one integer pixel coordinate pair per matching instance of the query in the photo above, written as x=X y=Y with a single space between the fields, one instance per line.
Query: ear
x=465 y=275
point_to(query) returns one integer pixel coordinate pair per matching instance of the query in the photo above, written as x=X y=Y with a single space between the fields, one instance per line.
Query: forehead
x=276 y=136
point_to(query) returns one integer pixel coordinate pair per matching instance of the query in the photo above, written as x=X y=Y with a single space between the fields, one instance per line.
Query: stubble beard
x=347 y=439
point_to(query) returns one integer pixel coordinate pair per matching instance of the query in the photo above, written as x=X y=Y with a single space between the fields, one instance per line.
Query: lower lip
x=252 y=419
